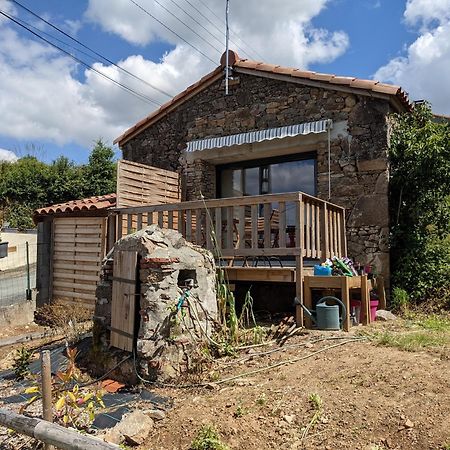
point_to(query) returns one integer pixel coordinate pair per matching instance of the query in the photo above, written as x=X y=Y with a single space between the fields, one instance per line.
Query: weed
x=240 y=411
x=261 y=400
x=400 y=300
x=434 y=323
x=317 y=404
x=21 y=363
x=208 y=439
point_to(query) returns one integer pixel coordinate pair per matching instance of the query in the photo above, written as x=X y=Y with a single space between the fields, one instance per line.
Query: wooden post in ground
x=46 y=389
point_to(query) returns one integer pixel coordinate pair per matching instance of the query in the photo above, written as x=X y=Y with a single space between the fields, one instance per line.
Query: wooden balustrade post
x=324 y=244
x=299 y=231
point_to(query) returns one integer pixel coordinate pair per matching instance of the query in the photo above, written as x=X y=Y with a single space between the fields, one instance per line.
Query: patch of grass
x=434 y=323
x=414 y=341
x=208 y=439
x=240 y=411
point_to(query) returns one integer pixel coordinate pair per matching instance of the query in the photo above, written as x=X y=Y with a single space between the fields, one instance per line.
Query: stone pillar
x=200 y=179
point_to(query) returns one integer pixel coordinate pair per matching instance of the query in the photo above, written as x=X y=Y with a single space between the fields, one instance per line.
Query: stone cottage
x=280 y=130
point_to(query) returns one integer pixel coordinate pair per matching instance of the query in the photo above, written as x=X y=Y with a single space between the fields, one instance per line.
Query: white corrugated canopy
x=320 y=126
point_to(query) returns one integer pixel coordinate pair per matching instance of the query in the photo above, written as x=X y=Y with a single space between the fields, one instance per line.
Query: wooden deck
x=291 y=226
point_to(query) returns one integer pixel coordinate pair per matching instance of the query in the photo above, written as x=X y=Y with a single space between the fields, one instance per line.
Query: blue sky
x=53 y=106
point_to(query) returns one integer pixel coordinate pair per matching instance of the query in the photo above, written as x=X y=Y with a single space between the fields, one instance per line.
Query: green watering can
x=327 y=317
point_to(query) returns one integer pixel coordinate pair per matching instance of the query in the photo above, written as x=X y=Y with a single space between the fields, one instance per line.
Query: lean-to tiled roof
x=365 y=87
x=85 y=204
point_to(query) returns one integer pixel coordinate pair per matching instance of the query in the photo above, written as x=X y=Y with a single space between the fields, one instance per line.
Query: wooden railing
x=292 y=224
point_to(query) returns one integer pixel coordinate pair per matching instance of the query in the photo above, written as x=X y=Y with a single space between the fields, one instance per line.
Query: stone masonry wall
x=359 y=158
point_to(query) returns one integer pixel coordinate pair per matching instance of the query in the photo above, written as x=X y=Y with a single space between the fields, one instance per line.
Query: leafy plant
x=399 y=299
x=208 y=439
x=420 y=204
x=22 y=362
x=73 y=405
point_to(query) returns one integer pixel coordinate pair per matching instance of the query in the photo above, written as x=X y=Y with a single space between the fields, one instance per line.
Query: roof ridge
x=296 y=73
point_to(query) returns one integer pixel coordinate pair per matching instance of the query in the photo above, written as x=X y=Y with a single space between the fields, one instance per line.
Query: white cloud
x=7 y=155
x=41 y=96
x=280 y=32
x=424 y=70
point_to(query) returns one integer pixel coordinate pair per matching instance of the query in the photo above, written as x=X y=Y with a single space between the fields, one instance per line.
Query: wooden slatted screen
x=123 y=300
x=139 y=184
x=78 y=250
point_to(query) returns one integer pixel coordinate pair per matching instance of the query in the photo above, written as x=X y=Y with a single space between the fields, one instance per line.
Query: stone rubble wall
x=359 y=169
x=165 y=341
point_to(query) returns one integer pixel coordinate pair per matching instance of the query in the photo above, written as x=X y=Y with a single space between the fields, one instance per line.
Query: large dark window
x=268 y=176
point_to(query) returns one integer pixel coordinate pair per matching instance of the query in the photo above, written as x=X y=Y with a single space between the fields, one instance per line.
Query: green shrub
x=420 y=204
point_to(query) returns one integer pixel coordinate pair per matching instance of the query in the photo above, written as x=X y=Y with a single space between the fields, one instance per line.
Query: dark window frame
x=251 y=163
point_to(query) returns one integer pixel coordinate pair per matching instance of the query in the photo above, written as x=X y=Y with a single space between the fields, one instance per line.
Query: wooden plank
x=365 y=301
x=324 y=232
x=71 y=238
x=189 y=225
x=299 y=260
x=230 y=228
x=62 y=293
x=74 y=287
x=68 y=257
x=254 y=228
x=198 y=226
x=208 y=229
x=241 y=226
x=267 y=211
x=307 y=301
x=267 y=274
x=307 y=207
x=282 y=225
x=313 y=231
x=89 y=269
x=345 y=292
x=123 y=300
x=218 y=228
x=93 y=276
x=170 y=220
x=79 y=248
x=262 y=251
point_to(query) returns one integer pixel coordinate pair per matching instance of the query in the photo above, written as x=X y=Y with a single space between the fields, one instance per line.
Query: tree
x=420 y=204
x=66 y=181
x=100 y=172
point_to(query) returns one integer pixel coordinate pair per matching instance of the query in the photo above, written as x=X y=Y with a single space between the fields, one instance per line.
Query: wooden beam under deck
x=267 y=274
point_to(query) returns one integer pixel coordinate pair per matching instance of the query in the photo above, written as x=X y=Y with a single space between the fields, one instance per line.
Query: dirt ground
x=374 y=397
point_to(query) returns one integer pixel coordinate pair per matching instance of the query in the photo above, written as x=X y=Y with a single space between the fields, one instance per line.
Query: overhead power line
x=216 y=27
x=222 y=21
x=187 y=26
x=197 y=22
x=86 y=47
x=173 y=32
x=139 y=95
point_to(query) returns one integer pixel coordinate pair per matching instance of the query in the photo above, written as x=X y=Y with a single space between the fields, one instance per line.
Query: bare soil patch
x=374 y=397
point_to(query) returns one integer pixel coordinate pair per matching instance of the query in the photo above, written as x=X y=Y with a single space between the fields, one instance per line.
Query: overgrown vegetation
x=208 y=439
x=73 y=405
x=420 y=201
x=28 y=183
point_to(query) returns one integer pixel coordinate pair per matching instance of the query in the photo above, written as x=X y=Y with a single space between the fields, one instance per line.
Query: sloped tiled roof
x=364 y=86
x=85 y=204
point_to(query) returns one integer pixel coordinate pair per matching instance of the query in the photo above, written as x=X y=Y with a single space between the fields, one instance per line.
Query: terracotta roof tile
x=355 y=83
x=85 y=204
